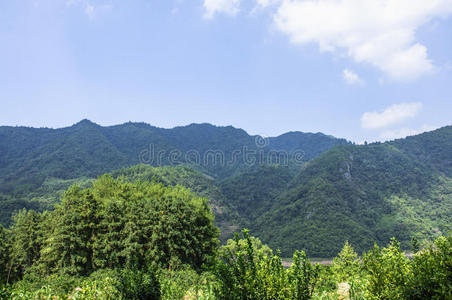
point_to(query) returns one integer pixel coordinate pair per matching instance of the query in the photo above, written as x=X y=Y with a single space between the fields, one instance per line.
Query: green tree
x=247 y=270
x=108 y=246
x=26 y=240
x=116 y=223
x=69 y=247
x=4 y=255
x=168 y=226
x=389 y=272
x=303 y=277
x=346 y=265
x=432 y=272
x=239 y=269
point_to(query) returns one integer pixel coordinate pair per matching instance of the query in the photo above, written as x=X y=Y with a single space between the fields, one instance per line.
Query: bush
x=248 y=272
x=346 y=265
x=5 y=291
x=303 y=277
x=105 y=289
x=58 y=284
x=136 y=284
x=389 y=272
x=327 y=280
x=187 y=283
x=432 y=272
x=102 y=284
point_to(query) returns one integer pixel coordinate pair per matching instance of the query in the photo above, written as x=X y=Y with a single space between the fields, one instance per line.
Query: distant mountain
x=364 y=194
x=432 y=148
x=312 y=144
x=299 y=190
x=31 y=157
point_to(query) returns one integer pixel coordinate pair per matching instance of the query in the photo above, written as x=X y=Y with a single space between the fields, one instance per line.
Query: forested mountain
x=432 y=148
x=363 y=194
x=37 y=164
x=87 y=149
x=337 y=191
x=253 y=192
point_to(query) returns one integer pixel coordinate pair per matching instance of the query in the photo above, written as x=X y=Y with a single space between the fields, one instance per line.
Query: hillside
x=252 y=192
x=336 y=192
x=364 y=194
x=32 y=160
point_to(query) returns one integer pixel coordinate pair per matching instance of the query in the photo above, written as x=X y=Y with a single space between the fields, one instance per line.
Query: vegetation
x=135 y=239
x=197 y=182
x=247 y=269
x=30 y=155
x=364 y=194
x=360 y=193
x=346 y=265
x=111 y=225
x=251 y=193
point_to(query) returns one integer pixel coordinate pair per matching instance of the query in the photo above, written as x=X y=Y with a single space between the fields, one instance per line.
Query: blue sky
x=359 y=69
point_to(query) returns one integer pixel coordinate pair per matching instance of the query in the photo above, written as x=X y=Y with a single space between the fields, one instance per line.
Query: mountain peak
x=85 y=122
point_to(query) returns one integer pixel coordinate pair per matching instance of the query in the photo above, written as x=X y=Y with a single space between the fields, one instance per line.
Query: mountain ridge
x=28 y=156
x=338 y=190
x=364 y=193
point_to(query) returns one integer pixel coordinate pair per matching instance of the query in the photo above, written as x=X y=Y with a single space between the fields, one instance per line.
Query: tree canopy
x=115 y=224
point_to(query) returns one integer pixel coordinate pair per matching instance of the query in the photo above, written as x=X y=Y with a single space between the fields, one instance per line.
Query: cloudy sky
x=359 y=69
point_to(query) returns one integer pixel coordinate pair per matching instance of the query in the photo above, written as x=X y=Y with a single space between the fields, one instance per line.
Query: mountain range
x=299 y=190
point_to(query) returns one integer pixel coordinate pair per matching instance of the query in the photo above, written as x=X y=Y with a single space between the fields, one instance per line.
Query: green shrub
x=389 y=272
x=327 y=282
x=432 y=272
x=137 y=284
x=303 y=277
x=101 y=288
x=186 y=282
x=346 y=265
x=105 y=289
x=5 y=291
x=357 y=289
x=248 y=272
x=56 y=284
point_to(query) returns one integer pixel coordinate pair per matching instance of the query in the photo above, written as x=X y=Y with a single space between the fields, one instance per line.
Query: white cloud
x=391 y=115
x=376 y=32
x=229 y=7
x=351 y=77
x=404 y=132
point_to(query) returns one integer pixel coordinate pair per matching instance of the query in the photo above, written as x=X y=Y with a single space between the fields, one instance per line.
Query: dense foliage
x=114 y=224
x=252 y=192
x=364 y=194
x=360 y=193
x=225 y=213
x=247 y=269
x=129 y=238
x=31 y=156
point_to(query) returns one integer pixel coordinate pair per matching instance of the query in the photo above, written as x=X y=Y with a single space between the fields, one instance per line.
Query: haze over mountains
x=295 y=191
